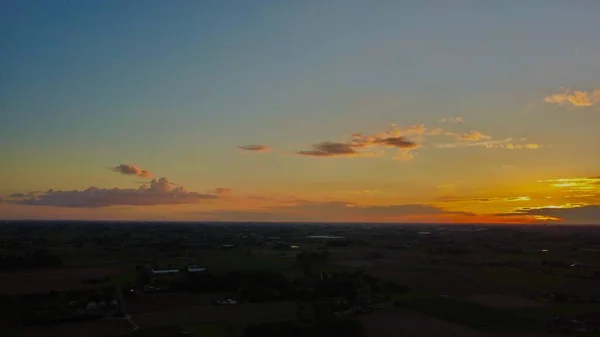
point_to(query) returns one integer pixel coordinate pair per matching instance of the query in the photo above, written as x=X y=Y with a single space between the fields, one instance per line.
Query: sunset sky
x=384 y=111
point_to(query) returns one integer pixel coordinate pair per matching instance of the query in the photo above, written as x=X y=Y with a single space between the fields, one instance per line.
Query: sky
x=336 y=111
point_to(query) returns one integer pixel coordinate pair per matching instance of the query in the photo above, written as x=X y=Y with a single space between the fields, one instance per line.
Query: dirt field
x=144 y=304
x=97 y=328
x=54 y=279
x=207 y=313
x=400 y=322
x=502 y=301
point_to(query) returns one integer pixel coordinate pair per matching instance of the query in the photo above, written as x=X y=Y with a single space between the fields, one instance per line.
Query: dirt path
x=128 y=317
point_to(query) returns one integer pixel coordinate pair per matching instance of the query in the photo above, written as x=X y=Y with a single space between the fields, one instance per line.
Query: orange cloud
x=575 y=98
x=254 y=148
x=575 y=184
x=132 y=169
x=474 y=136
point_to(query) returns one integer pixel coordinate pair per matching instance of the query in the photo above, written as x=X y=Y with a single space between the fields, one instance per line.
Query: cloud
x=575 y=98
x=574 y=184
x=487 y=144
x=131 y=169
x=254 y=148
x=507 y=143
x=398 y=142
x=393 y=138
x=570 y=213
x=473 y=136
x=304 y=210
x=331 y=149
x=491 y=199
x=156 y=192
x=222 y=191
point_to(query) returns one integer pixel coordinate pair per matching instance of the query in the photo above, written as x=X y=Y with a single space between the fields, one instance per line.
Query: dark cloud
x=18 y=195
x=254 y=148
x=132 y=169
x=399 y=142
x=330 y=149
x=156 y=192
x=390 y=139
x=222 y=191
x=589 y=214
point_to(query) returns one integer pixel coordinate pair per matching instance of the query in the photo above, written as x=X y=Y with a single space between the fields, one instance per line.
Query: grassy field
x=467 y=313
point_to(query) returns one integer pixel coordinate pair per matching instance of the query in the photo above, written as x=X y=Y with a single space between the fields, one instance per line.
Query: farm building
x=164 y=271
x=196 y=269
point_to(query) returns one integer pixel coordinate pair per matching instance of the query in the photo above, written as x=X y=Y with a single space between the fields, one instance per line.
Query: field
x=243 y=313
x=503 y=301
x=467 y=313
x=402 y=322
x=97 y=328
x=143 y=304
x=495 y=282
x=215 y=330
x=54 y=279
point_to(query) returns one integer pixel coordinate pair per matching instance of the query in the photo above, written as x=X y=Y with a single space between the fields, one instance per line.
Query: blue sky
x=177 y=86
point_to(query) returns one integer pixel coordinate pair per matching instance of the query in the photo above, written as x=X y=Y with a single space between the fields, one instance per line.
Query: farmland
x=488 y=281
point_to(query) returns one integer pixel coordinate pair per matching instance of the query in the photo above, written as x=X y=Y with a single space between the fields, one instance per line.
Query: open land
x=62 y=278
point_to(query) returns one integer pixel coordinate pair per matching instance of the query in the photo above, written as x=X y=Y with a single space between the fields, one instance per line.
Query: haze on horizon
x=379 y=111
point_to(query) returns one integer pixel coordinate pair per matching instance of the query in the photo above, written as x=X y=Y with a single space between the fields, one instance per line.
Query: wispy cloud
x=473 y=136
x=568 y=213
x=132 y=170
x=508 y=143
x=156 y=192
x=577 y=98
x=490 y=199
x=575 y=184
x=254 y=148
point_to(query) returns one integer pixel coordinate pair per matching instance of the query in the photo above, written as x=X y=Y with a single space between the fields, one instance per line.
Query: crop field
x=402 y=322
x=243 y=313
x=95 y=328
x=503 y=301
x=143 y=304
x=54 y=279
x=467 y=313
